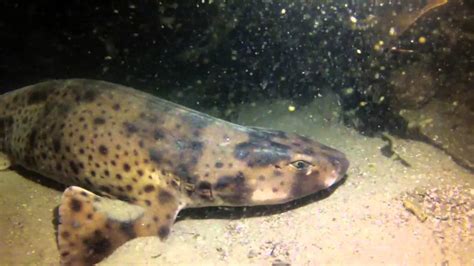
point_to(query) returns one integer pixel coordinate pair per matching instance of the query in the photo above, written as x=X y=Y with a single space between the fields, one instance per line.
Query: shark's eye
x=300 y=165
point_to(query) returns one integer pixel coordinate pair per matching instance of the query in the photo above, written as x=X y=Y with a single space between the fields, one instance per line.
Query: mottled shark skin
x=147 y=158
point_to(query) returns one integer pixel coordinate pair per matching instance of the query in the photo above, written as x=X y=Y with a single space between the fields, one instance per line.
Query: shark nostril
x=341 y=164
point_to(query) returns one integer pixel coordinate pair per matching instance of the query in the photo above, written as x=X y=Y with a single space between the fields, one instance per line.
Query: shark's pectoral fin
x=5 y=162
x=92 y=227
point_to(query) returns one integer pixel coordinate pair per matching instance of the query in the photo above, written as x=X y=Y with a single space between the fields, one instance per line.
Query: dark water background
x=217 y=53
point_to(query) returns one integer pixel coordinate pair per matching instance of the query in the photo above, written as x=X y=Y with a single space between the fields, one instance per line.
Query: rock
x=5 y=163
x=447 y=123
x=416 y=209
x=412 y=86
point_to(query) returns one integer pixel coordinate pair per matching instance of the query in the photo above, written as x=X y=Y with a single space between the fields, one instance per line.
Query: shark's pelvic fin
x=92 y=227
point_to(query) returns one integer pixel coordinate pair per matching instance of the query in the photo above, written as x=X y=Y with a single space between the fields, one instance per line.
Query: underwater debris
x=389 y=24
x=449 y=210
x=389 y=152
x=280 y=263
x=416 y=209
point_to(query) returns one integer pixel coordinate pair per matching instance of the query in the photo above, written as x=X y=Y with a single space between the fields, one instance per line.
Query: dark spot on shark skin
x=195 y=121
x=99 y=121
x=309 y=151
x=116 y=107
x=280 y=134
x=181 y=171
x=37 y=96
x=65 y=234
x=6 y=124
x=130 y=128
x=224 y=182
x=149 y=188
x=84 y=96
x=218 y=165
x=32 y=139
x=74 y=167
x=297 y=188
x=51 y=106
x=65 y=254
x=126 y=167
x=16 y=98
x=105 y=189
x=103 y=150
x=98 y=246
x=75 y=205
x=232 y=188
x=127 y=229
x=296 y=144
x=89 y=95
x=163 y=232
x=185 y=176
x=165 y=196
x=303 y=184
x=155 y=155
x=158 y=134
x=261 y=153
x=194 y=146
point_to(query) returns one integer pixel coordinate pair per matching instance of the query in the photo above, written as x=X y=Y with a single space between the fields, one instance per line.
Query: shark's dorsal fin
x=92 y=227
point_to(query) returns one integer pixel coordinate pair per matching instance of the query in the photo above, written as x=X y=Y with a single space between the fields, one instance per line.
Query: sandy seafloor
x=362 y=222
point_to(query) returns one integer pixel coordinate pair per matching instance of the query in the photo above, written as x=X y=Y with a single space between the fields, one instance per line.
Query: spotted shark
x=132 y=161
